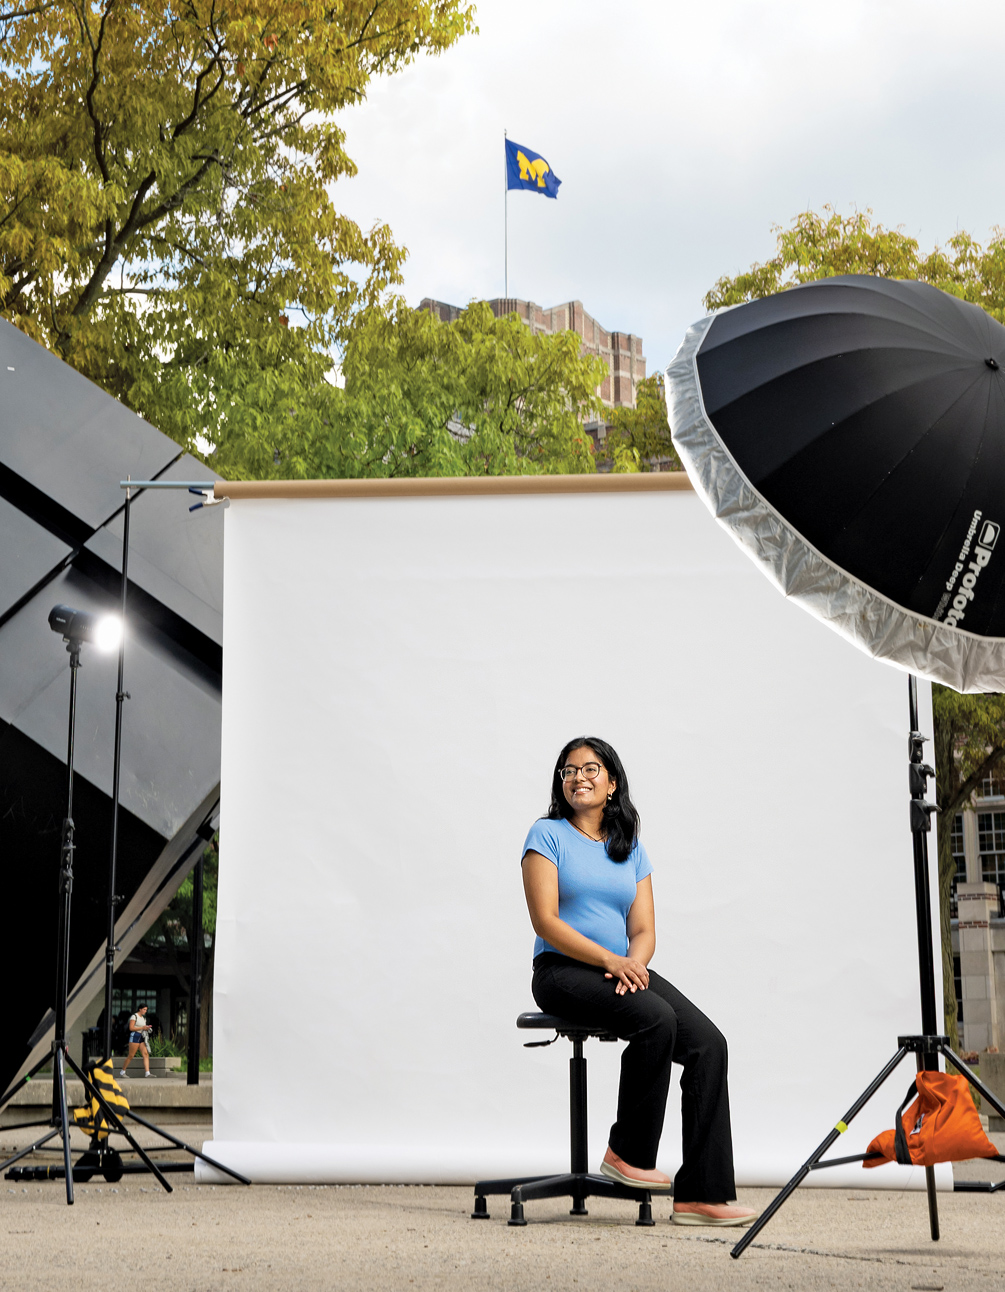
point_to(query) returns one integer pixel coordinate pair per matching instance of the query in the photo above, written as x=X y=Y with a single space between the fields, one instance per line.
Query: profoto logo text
x=974 y=557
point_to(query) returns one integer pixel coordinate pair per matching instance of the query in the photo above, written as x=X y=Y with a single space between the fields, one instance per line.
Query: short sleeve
x=541 y=838
x=643 y=866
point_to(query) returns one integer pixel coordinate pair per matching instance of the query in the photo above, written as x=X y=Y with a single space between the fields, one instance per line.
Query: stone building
x=621 y=351
x=978 y=842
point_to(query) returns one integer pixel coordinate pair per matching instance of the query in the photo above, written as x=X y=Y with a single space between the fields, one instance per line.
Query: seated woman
x=589 y=892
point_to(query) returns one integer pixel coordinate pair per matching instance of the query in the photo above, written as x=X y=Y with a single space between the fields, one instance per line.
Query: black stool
x=577 y=1183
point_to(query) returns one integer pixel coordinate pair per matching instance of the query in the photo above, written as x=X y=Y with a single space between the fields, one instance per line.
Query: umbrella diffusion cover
x=850 y=434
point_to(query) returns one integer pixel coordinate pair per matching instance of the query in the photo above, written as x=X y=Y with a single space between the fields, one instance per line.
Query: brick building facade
x=621 y=351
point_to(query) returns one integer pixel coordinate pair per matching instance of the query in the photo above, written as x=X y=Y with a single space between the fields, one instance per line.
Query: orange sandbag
x=942 y=1125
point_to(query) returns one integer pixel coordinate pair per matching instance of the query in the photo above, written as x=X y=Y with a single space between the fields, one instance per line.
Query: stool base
x=578 y=1186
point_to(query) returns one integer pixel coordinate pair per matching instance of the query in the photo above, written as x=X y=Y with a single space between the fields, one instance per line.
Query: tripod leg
x=179 y=1143
x=59 y=1076
x=933 y=1205
x=115 y=1123
x=30 y=1149
x=815 y=1157
x=975 y=1081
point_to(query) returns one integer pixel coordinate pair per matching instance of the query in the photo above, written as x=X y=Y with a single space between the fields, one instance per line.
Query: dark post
x=120 y=697
x=59 y=1111
x=66 y=869
x=195 y=976
x=921 y=824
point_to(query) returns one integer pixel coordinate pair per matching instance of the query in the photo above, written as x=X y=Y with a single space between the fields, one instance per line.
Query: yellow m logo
x=533 y=169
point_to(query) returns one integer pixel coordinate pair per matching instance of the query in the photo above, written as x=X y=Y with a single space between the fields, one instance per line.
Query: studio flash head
x=76 y=626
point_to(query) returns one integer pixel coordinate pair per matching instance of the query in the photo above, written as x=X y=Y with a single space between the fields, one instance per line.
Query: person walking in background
x=139 y=1031
x=589 y=892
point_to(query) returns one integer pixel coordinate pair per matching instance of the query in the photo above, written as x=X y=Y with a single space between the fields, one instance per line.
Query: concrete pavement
x=417 y=1238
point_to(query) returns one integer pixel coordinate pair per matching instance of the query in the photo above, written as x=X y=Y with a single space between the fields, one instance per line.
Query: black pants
x=661 y=1027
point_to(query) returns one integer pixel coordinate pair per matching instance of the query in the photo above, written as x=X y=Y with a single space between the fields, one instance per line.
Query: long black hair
x=620 y=821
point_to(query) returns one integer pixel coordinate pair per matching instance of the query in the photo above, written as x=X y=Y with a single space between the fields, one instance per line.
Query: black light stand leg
x=179 y=1143
x=6 y=1098
x=777 y=1202
x=121 y=695
x=30 y=1149
x=59 y=1116
x=59 y=1092
x=974 y=1080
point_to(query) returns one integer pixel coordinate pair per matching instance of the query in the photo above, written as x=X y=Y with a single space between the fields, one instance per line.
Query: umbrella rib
x=970 y=472
x=913 y=449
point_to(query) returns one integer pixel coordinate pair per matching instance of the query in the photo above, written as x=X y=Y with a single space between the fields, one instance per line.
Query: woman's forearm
x=642 y=946
x=564 y=938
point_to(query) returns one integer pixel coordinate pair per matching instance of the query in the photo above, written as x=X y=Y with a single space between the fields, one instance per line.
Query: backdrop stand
x=926 y=1047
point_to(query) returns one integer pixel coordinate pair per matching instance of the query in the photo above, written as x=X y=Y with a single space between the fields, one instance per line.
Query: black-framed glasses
x=590 y=771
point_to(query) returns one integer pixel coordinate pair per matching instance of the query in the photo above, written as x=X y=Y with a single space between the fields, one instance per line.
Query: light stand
x=120 y=696
x=203 y=489
x=77 y=627
x=926 y=1047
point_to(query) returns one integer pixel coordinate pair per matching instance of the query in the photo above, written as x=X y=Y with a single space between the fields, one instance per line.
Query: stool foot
x=645 y=1214
x=579 y=1207
x=516 y=1216
x=481 y=1211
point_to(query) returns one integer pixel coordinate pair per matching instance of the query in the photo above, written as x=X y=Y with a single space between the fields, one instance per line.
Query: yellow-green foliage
x=480 y=396
x=166 y=219
x=639 y=437
x=821 y=246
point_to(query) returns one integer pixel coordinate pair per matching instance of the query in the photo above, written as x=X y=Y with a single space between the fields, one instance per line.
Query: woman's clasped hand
x=631 y=974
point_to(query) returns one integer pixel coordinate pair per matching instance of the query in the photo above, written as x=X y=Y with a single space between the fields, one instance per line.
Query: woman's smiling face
x=582 y=791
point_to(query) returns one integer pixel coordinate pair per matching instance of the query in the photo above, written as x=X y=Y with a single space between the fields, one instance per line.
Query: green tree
x=969 y=746
x=172 y=932
x=643 y=432
x=165 y=176
x=479 y=396
x=969 y=730
x=823 y=245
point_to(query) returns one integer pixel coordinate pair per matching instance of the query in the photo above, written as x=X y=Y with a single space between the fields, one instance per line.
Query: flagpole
x=505 y=218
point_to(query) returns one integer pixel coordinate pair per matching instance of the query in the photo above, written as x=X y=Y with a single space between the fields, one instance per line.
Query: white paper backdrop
x=399 y=677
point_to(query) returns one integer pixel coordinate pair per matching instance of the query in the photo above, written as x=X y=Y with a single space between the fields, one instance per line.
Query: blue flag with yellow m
x=528 y=169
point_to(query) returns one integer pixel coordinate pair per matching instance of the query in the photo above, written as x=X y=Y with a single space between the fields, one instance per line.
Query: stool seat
x=551 y=1022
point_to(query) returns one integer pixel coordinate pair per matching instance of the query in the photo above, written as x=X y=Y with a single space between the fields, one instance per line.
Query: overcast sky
x=681 y=133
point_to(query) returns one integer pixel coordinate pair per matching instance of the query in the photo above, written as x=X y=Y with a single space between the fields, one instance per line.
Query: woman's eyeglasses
x=590 y=771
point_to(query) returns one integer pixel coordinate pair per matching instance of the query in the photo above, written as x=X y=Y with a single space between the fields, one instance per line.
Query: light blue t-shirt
x=595 y=894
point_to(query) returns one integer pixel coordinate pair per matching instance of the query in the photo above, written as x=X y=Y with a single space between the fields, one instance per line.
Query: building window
x=956 y=847
x=958 y=980
x=134 y=998
x=991 y=841
x=991 y=788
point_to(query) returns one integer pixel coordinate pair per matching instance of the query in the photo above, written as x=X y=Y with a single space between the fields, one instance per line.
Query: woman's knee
x=714 y=1049
x=652 y=1016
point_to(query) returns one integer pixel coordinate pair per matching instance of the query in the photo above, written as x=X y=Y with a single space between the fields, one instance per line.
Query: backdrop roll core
x=400 y=673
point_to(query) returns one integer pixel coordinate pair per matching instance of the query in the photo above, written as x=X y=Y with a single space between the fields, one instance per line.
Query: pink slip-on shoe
x=615 y=1169
x=711 y=1213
